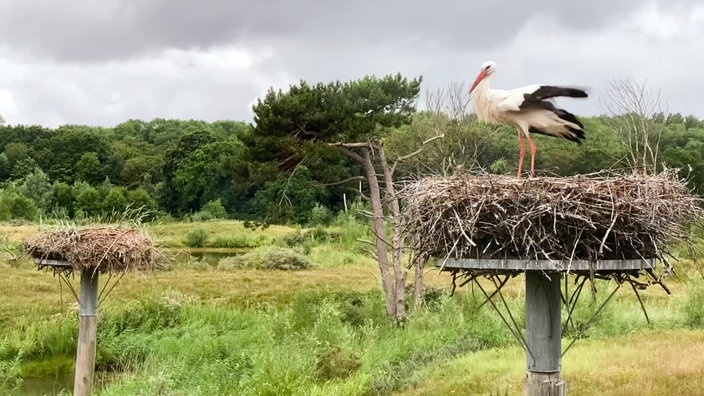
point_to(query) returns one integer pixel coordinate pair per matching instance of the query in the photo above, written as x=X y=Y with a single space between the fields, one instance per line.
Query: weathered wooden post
x=87 y=332
x=544 y=334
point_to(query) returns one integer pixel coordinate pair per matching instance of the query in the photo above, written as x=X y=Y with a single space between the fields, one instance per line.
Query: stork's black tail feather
x=569 y=117
x=572 y=129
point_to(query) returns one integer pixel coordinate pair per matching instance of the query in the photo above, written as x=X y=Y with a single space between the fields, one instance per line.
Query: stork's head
x=488 y=68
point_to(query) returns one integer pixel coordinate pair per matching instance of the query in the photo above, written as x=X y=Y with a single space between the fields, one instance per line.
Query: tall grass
x=322 y=341
x=694 y=303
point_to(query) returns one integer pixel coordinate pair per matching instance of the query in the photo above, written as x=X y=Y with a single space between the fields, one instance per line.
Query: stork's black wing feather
x=550 y=91
x=538 y=97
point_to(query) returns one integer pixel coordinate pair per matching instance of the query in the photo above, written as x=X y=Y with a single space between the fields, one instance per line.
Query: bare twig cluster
x=633 y=107
x=110 y=250
x=589 y=217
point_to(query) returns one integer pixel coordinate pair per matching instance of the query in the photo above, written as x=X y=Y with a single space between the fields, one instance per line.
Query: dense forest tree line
x=273 y=169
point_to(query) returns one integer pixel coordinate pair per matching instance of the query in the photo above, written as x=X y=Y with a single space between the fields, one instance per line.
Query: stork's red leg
x=533 y=149
x=523 y=152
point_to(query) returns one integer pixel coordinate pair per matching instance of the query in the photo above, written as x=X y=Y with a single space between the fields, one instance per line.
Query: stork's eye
x=487 y=67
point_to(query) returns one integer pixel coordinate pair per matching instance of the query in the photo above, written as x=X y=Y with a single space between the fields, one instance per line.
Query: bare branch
x=346 y=151
x=349 y=179
x=352 y=145
x=284 y=194
x=413 y=154
x=633 y=107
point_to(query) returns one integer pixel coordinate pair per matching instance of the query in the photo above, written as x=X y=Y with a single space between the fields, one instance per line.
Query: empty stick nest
x=107 y=249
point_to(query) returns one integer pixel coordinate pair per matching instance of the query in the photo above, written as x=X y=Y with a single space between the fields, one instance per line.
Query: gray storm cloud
x=104 y=62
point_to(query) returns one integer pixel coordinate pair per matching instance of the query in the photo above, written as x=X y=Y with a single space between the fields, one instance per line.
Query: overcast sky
x=104 y=62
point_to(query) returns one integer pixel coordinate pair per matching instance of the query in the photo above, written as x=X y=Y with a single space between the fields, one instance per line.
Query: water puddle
x=57 y=385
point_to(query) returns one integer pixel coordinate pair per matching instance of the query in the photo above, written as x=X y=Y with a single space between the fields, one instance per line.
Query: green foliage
x=89 y=169
x=88 y=199
x=320 y=215
x=62 y=197
x=197 y=237
x=300 y=123
x=330 y=112
x=139 y=198
x=178 y=181
x=337 y=363
x=211 y=210
x=23 y=167
x=14 y=205
x=15 y=152
x=288 y=198
x=61 y=152
x=115 y=200
x=36 y=186
x=176 y=168
x=238 y=241
x=5 y=169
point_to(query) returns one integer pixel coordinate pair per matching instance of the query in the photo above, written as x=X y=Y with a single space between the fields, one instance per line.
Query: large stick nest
x=107 y=249
x=592 y=217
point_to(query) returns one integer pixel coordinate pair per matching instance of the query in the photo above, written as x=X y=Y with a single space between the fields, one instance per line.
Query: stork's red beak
x=479 y=79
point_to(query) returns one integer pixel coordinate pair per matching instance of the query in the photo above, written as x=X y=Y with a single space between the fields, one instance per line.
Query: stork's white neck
x=482 y=100
x=484 y=86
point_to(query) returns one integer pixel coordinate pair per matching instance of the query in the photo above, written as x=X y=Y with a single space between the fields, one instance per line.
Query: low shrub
x=239 y=240
x=337 y=363
x=320 y=215
x=197 y=237
x=270 y=257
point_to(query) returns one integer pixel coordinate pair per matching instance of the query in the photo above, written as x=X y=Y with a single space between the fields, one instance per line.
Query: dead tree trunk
x=419 y=281
x=396 y=235
x=378 y=220
x=394 y=284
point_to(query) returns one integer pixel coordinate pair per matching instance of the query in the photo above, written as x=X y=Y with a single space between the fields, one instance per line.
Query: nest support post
x=543 y=334
x=85 y=354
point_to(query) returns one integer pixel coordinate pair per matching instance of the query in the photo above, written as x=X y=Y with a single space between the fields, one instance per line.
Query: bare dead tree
x=386 y=206
x=458 y=99
x=452 y=101
x=633 y=107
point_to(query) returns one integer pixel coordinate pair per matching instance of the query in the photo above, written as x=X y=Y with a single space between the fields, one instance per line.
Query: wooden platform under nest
x=589 y=218
x=107 y=249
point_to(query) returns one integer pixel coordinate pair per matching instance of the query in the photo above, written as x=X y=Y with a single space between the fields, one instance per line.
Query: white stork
x=529 y=109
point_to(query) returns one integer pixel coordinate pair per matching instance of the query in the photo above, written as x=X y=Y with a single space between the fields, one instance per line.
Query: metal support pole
x=543 y=334
x=85 y=354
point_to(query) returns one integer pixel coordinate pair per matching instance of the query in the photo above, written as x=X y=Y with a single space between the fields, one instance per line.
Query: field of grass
x=196 y=329
x=648 y=362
